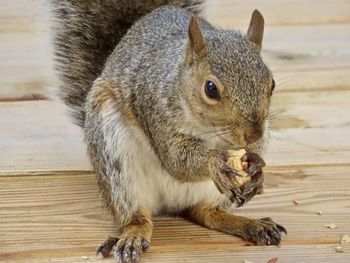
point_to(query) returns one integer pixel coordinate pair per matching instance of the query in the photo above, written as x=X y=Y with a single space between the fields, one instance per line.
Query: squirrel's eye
x=211 y=90
x=273 y=85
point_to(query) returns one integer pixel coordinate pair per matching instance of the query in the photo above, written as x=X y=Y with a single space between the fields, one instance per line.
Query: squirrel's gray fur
x=85 y=34
x=133 y=73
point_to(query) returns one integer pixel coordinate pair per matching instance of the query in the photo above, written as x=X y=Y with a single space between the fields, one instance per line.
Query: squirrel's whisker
x=279 y=67
x=289 y=138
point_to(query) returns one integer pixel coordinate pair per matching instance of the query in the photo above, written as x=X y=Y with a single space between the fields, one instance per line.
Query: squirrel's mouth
x=232 y=144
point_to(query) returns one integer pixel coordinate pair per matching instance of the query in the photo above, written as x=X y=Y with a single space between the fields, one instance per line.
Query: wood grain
x=221 y=253
x=40 y=136
x=25 y=51
x=49 y=204
x=279 y=12
x=309 y=57
x=25 y=63
x=59 y=217
x=309 y=127
x=22 y=13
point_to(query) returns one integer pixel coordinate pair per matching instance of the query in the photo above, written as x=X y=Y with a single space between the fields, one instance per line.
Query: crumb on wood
x=331 y=226
x=320 y=213
x=339 y=249
x=345 y=239
x=295 y=202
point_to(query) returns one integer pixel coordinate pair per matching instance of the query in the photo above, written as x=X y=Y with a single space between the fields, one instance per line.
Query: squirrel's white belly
x=151 y=184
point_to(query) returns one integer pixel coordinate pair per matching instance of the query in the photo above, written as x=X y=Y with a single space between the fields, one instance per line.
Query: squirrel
x=161 y=95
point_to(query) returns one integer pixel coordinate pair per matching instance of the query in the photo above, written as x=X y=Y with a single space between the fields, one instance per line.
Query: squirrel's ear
x=255 y=31
x=196 y=42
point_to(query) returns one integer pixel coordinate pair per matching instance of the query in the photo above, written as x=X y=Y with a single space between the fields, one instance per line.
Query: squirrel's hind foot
x=133 y=239
x=128 y=249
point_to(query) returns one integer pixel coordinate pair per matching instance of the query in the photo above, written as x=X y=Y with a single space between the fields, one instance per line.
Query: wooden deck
x=49 y=205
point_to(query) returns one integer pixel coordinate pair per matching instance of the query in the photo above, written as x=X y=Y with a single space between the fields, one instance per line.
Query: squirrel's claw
x=264 y=232
x=106 y=247
x=252 y=188
x=130 y=248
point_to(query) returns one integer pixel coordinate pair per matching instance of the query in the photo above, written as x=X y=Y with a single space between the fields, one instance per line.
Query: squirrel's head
x=227 y=86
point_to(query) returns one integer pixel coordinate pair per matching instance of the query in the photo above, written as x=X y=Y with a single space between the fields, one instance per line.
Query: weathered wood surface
x=59 y=217
x=39 y=136
x=304 y=57
x=285 y=12
x=49 y=205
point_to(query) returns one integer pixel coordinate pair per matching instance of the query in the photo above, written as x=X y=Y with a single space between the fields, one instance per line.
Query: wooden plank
x=20 y=8
x=225 y=12
x=315 y=40
x=312 y=80
x=18 y=16
x=17 y=24
x=39 y=136
x=228 y=12
x=309 y=127
x=25 y=64
x=25 y=57
x=303 y=57
x=277 y=12
x=58 y=217
x=310 y=109
x=221 y=253
x=309 y=57
x=308 y=147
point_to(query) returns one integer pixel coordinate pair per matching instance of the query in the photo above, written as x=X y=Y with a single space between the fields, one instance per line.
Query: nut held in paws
x=237 y=161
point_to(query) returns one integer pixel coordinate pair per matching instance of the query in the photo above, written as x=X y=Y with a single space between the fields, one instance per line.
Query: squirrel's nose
x=252 y=135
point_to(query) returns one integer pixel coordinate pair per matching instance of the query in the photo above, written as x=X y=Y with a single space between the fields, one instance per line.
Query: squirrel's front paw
x=255 y=184
x=223 y=176
x=264 y=232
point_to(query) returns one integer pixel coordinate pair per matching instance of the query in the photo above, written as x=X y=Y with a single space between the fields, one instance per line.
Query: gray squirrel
x=161 y=95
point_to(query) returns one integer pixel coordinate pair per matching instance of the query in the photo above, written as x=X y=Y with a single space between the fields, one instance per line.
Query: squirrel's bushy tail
x=85 y=34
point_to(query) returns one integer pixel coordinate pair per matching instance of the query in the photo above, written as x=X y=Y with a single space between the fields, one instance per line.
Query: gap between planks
x=269 y=169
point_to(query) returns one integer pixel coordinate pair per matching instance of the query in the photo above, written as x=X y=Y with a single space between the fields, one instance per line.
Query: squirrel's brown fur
x=134 y=74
